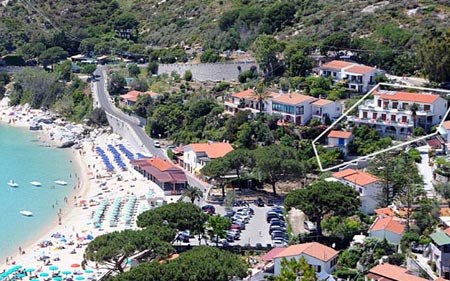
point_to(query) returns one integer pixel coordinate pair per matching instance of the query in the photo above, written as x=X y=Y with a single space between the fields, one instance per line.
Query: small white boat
x=35 y=183
x=60 y=182
x=13 y=183
x=26 y=213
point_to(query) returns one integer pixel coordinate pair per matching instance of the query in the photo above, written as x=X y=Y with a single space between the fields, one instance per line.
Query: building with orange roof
x=322 y=258
x=245 y=100
x=397 y=113
x=444 y=131
x=389 y=272
x=131 y=97
x=357 y=77
x=164 y=173
x=367 y=185
x=389 y=228
x=198 y=155
x=340 y=140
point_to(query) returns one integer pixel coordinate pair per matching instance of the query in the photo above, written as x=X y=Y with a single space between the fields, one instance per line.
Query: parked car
x=277 y=209
x=276 y=228
x=274 y=222
x=273 y=215
x=210 y=209
x=157 y=144
x=270 y=202
x=259 y=202
x=279 y=243
x=309 y=226
x=235 y=234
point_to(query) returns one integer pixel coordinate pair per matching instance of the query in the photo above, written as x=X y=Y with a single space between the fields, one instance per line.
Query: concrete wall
x=208 y=71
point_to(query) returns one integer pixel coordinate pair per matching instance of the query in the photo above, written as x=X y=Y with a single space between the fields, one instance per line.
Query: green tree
x=152 y=67
x=87 y=45
x=116 y=83
x=89 y=69
x=193 y=193
x=216 y=227
x=133 y=69
x=180 y=216
x=187 y=75
x=237 y=160
x=292 y=269
x=52 y=56
x=324 y=198
x=98 y=117
x=266 y=49
x=113 y=249
x=202 y=263
x=260 y=95
x=64 y=70
x=209 y=55
x=434 y=57
x=274 y=163
x=217 y=169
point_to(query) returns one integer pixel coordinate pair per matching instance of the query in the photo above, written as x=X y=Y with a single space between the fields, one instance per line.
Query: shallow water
x=23 y=159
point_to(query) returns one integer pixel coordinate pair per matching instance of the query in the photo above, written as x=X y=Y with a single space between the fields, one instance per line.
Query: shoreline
x=96 y=186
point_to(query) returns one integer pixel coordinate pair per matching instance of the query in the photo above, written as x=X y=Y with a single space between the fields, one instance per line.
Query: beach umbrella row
x=105 y=158
x=140 y=155
x=115 y=211
x=100 y=212
x=129 y=209
x=127 y=153
x=117 y=156
x=10 y=271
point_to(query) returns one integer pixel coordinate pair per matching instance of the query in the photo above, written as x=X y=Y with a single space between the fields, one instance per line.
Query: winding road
x=104 y=101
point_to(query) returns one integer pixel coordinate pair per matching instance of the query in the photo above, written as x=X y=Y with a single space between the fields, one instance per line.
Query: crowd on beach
x=99 y=197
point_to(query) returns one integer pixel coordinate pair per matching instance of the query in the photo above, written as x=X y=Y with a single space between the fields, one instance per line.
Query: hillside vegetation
x=394 y=35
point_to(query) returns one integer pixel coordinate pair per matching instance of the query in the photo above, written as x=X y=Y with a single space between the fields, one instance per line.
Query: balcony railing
x=357 y=119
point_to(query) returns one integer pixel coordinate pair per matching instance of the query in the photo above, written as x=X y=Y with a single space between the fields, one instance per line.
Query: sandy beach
x=102 y=202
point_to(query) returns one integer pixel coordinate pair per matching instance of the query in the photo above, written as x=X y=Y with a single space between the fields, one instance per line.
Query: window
x=393 y=117
x=300 y=110
x=426 y=107
x=374 y=116
x=395 y=104
x=379 y=103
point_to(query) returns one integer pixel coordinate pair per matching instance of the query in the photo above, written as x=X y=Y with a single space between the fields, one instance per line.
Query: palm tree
x=414 y=108
x=260 y=94
x=192 y=192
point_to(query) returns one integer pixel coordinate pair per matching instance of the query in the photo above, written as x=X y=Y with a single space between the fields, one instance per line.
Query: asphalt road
x=105 y=103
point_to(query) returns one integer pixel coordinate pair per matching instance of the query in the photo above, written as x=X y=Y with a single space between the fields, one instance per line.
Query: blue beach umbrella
x=43 y=274
x=58 y=278
x=53 y=268
x=89 y=271
x=35 y=279
x=79 y=278
x=29 y=269
x=20 y=275
x=66 y=272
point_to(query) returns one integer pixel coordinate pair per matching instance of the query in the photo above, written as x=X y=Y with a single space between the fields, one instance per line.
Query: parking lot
x=256 y=230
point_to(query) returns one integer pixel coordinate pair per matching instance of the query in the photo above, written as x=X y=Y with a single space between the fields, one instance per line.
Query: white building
x=292 y=107
x=367 y=185
x=389 y=228
x=357 y=77
x=198 y=155
x=392 y=112
x=320 y=257
x=340 y=140
x=440 y=252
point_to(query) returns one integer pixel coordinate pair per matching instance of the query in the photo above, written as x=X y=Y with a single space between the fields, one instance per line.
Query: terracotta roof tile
x=160 y=164
x=356 y=177
x=392 y=272
x=360 y=69
x=292 y=98
x=213 y=150
x=340 y=134
x=244 y=94
x=321 y=102
x=337 y=64
x=446 y=125
x=312 y=249
x=133 y=95
x=406 y=96
x=391 y=224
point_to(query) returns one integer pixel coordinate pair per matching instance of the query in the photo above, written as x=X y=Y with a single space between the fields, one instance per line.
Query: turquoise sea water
x=24 y=159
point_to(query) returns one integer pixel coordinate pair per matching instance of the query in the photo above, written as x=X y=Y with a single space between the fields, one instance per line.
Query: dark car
x=273 y=215
x=259 y=202
x=270 y=202
x=210 y=209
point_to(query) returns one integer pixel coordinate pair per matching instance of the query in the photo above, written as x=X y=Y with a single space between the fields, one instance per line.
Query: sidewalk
x=421 y=261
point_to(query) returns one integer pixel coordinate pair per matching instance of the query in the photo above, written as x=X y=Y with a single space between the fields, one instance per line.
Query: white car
x=157 y=144
x=309 y=226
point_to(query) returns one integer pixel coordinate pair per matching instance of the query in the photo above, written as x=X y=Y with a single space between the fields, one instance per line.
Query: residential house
x=389 y=228
x=198 y=155
x=357 y=77
x=131 y=97
x=340 y=140
x=367 y=185
x=320 y=257
x=292 y=107
x=164 y=173
x=392 y=112
x=389 y=272
x=440 y=252
x=326 y=110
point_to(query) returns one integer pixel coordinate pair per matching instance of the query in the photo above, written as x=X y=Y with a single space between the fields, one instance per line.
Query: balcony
x=356 y=119
x=370 y=106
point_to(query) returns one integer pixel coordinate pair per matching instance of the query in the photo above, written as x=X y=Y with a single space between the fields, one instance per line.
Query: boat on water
x=13 y=183
x=35 y=183
x=26 y=213
x=60 y=182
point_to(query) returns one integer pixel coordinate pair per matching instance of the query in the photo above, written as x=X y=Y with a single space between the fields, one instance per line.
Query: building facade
x=357 y=77
x=198 y=155
x=389 y=228
x=440 y=252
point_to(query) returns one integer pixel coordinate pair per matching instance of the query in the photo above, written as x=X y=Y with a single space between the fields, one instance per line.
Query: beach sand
x=95 y=185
